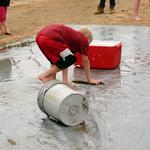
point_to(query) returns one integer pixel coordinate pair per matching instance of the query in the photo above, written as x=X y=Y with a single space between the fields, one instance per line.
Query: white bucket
x=61 y=102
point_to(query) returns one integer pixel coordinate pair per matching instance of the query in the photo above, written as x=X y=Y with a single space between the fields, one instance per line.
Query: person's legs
x=65 y=75
x=50 y=74
x=102 y=3
x=6 y=29
x=100 y=8
x=1 y=25
x=65 y=78
x=53 y=52
x=2 y=18
x=112 y=3
x=136 y=5
x=112 y=6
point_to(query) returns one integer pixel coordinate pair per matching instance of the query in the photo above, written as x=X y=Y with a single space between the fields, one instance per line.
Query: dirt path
x=26 y=17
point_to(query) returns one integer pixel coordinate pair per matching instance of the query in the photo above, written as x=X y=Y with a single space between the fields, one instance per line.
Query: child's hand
x=95 y=82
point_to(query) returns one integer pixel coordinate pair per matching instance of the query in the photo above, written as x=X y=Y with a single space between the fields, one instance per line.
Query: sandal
x=7 y=33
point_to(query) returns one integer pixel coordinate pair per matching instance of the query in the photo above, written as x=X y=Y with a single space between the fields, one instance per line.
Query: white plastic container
x=61 y=102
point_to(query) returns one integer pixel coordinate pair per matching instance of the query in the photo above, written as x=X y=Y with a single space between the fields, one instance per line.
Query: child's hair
x=87 y=32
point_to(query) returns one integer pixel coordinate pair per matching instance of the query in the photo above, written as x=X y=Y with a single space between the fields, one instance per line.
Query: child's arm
x=86 y=66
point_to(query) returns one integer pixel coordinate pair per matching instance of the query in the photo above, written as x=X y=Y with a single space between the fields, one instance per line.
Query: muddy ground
x=26 y=17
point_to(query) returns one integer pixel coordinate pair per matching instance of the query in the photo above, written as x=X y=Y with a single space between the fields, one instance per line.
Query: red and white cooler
x=103 y=55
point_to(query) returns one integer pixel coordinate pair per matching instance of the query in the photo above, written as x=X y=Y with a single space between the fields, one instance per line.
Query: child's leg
x=2 y=18
x=5 y=23
x=50 y=74
x=6 y=28
x=65 y=75
x=65 y=78
x=136 y=6
x=1 y=25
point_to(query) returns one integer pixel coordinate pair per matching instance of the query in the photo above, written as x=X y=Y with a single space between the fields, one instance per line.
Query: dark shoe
x=100 y=10
x=112 y=10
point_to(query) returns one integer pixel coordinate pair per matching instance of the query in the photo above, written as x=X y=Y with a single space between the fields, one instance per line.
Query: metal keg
x=58 y=100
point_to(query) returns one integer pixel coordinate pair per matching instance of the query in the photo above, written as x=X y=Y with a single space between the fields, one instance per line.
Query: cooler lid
x=104 y=43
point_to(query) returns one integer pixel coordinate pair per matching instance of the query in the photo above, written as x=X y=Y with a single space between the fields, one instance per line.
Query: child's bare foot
x=44 y=79
x=137 y=18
